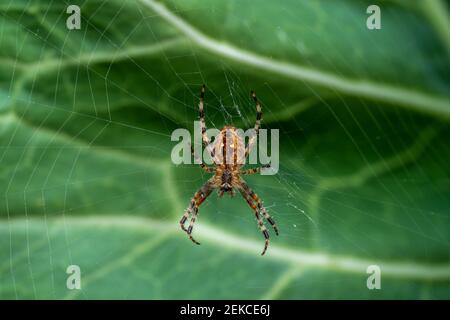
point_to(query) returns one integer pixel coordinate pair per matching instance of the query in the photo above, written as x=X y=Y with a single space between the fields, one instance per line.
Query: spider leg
x=201 y=116
x=256 y=204
x=264 y=232
x=252 y=195
x=254 y=170
x=261 y=225
x=195 y=203
x=202 y=164
x=268 y=217
x=257 y=124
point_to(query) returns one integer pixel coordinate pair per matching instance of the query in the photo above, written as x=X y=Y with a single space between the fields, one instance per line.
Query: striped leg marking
x=259 y=204
x=268 y=218
x=251 y=202
x=254 y=170
x=201 y=116
x=264 y=231
x=202 y=164
x=192 y=209
x=257 y=124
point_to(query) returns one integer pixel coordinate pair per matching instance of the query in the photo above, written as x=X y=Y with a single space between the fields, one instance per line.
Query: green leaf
x=85 y=171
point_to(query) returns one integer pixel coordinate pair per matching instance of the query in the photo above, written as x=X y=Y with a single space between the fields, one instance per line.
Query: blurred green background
x=86 y=177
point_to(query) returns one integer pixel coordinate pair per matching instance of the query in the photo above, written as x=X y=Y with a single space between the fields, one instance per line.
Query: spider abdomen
x=229 y=147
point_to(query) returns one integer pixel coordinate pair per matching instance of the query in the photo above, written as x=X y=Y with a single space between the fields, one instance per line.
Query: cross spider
x=227 y=176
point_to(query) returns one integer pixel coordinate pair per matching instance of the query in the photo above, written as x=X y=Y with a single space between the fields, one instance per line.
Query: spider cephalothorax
x=226 y=177
x=228 y=152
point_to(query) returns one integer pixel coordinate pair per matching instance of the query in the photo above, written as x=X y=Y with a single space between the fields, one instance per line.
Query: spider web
x=90 y=158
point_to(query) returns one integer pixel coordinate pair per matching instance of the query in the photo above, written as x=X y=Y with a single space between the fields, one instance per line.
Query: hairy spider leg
x=253 y=170
x=192 y=209
x=257 y=124
x=202 y=164
x=201 y=116
x=260 y=205
x=256 y=204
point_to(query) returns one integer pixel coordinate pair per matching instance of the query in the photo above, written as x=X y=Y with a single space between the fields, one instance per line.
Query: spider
x=227 y=174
